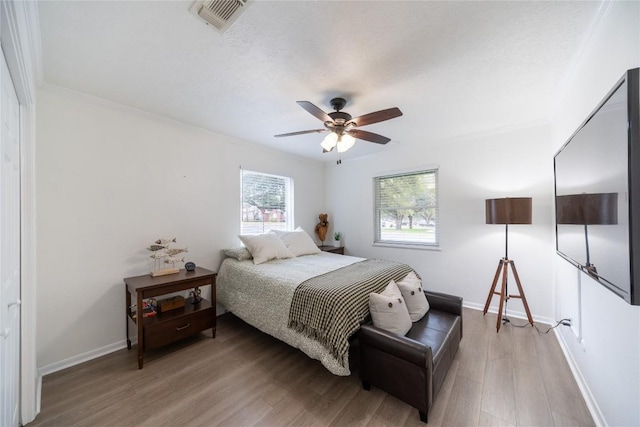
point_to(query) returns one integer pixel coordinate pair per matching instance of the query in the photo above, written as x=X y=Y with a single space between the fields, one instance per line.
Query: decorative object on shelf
x=163 y=256
x=516 y=210
x=190 y=266
x=337 y=239
x=322 y=227
x=170 y=303
x=195 y=294
x=149 y=308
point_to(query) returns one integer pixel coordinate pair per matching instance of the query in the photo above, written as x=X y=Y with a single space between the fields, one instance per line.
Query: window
x=267 y=202
x=406 y=208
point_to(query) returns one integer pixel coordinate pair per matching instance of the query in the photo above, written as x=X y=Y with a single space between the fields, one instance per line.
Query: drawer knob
x=183 y=327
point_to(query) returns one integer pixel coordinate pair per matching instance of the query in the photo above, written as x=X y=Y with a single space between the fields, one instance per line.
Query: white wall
x=604 y=342
x=110 y=181
x=519 y=163
x=514 y=163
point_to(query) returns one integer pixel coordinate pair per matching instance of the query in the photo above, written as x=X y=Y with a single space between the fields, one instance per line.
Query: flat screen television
x=597 y=192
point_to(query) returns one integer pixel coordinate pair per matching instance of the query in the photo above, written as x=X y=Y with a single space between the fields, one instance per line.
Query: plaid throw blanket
x=330 y=308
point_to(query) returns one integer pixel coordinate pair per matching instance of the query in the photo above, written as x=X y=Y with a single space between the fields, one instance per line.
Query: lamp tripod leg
x=502 y=269
x=503 y=294
x=521 y=296
x=492 y=291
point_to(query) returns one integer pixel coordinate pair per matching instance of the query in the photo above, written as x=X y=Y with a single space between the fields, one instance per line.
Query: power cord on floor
x=566 y=322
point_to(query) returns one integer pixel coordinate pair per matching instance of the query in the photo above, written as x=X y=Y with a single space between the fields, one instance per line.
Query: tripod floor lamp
x=516 y=210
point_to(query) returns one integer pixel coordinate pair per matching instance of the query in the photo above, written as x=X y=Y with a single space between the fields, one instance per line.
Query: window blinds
x=267 y=202
x=406 y=208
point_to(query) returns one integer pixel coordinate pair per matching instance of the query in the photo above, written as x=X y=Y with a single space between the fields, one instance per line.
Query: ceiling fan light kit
x=345 y=142
x=329 y=142
x=342 y=126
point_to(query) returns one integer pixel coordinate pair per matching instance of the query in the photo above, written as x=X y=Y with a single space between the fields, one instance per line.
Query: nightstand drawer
x=167 y=331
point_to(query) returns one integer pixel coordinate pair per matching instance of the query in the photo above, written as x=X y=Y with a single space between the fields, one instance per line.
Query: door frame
x=20 y=38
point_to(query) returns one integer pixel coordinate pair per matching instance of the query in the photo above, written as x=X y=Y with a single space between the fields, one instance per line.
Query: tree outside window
x=267 y=202
x=406 y=208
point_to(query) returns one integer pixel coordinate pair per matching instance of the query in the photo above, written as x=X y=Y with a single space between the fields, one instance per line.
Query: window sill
x=407 y=246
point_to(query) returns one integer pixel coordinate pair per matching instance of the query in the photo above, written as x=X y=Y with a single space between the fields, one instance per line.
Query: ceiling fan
x=342 y=127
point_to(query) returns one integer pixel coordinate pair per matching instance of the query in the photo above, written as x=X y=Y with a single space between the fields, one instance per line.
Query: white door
x=9 y=250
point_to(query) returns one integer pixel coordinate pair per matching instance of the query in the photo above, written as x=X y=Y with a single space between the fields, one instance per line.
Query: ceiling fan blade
x=315 y=111
x=369 y=136
x=378 y=116
x=302 y=132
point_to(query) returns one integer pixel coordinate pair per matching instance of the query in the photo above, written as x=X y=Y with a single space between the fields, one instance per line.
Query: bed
x=263 y=296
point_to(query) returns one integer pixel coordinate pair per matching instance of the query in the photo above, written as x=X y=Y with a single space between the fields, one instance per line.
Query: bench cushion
x=440 y=331
x=413 y=367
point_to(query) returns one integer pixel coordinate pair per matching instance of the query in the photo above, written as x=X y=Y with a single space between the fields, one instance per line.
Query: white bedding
x=261 y=296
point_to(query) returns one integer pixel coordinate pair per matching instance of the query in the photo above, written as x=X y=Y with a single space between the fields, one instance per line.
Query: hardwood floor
x=246 y=378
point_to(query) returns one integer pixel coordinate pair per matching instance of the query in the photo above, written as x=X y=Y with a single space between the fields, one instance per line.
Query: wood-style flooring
x=243 y=377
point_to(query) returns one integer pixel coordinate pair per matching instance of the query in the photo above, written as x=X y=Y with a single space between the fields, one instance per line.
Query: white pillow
x=265 y=247
x=299 y=242
x=417 y=304
x=389 y=311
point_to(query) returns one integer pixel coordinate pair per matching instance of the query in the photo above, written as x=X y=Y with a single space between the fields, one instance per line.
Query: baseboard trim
x=589 y=399
x=81 y=358
x=511 y=313
x=39 y=393
x=93 y=354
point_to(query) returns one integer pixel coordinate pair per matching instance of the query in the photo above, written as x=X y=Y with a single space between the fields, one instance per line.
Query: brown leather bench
x=413 y=367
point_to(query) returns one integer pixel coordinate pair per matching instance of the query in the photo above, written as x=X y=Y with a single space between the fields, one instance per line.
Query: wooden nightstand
x=332 y=249
x=173 y=325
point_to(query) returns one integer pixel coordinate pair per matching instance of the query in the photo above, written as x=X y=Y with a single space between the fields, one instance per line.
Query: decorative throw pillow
x=241 y=254
x=411 y=289
x=389 y=311
x=299 y=242
x=265 y=247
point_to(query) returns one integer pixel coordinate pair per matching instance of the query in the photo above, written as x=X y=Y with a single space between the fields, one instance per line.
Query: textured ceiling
x=453 y=68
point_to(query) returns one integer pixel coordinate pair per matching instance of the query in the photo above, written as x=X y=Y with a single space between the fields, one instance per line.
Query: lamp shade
x=345 y=142
x=329 y=141
x=587 y=209
x=508 y=210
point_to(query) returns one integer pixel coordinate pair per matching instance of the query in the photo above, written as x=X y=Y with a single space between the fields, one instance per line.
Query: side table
x=333 y=249
x=173 y=325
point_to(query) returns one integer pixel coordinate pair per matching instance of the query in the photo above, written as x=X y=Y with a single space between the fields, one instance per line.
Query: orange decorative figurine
x=322 y=227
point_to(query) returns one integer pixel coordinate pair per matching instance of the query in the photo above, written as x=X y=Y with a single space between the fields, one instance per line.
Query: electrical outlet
x=566 y=322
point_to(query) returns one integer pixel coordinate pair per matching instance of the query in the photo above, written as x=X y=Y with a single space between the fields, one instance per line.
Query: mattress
x=261 y=295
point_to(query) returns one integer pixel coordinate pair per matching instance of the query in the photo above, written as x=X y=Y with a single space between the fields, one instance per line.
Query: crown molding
x=223 y=138
x=20 y=36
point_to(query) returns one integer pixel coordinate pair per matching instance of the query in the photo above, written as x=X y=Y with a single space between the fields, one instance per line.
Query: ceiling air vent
x=220 y=13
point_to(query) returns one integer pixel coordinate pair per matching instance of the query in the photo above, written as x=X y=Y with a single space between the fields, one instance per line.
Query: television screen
x=595 y=192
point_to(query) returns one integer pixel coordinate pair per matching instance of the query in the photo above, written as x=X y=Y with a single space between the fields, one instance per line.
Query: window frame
x=378 y=240
x=289 y=214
